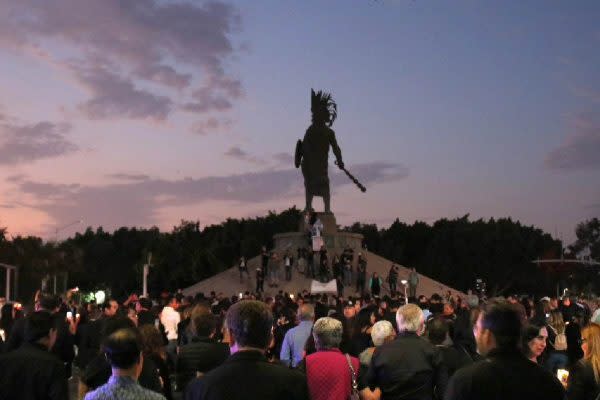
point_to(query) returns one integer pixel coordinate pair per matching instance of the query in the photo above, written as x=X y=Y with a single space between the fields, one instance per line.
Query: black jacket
x=248 y=375
x=201 y=355
x=407 y=368
x=582 y=384
x=504 y=375
x=32 y=373
x=63 y=347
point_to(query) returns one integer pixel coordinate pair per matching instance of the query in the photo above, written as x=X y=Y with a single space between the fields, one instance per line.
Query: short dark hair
x=203 y=321
x=37 y=325
x=123 y=348
x=504 y=321
x=250 y=322
x=49 y=301
x=437 y=329
x=145 y=303
x=107 y=302
x=115 y=323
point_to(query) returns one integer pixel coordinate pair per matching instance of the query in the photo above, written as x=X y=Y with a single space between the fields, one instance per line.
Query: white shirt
x=170 y=318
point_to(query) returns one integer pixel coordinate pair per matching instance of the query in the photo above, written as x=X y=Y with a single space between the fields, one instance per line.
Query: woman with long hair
x=534 y=342
x=584 y=377
x=154 y=349
x=557 y=342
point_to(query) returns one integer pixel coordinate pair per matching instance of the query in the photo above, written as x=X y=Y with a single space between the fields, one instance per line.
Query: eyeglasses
x=582 y=341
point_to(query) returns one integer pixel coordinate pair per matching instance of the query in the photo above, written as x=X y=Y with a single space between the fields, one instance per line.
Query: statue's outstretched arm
x=336 y=149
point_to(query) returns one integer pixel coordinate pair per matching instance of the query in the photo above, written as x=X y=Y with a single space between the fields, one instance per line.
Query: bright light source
x=100 y=296
x=404 y=281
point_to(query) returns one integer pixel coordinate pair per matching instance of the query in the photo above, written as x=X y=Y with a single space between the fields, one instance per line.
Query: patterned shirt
x=123 y=388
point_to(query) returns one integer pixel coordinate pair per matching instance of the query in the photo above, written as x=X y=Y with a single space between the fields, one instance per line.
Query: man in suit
x=247 y=374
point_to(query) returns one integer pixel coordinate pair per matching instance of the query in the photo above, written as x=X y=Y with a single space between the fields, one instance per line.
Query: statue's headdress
x=323 y=107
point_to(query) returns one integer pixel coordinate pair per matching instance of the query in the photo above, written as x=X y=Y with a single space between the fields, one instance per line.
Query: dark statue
x=312 y=153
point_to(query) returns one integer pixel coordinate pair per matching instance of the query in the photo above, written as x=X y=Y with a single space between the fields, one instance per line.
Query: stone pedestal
x=335 y=241
x=327 y=220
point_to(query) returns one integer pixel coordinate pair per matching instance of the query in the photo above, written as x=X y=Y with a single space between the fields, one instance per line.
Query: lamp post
x=145 y=273
x=56 y=231
x=404 y=282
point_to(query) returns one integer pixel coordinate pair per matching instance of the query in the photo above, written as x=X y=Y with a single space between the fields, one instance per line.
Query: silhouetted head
x=323 y=108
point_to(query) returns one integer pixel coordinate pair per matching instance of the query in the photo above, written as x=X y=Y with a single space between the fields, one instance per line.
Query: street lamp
x=58 y=229
x=404 y=282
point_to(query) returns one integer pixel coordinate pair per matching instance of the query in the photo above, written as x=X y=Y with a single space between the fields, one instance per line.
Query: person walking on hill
x=413 y=283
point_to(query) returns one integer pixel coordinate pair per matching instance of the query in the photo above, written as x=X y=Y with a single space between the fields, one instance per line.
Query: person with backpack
x=557 y=357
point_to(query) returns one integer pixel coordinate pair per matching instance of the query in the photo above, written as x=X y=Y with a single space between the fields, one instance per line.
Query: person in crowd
x=153 y=348
x=204 y=353
x=132 y=315
x=292 y=349
x=330 y=374
x=338 y=274
x=170 y=318
x=534 y=342
x=505 y=373
x=65 y=339
x=573 y=335
x=260 y=280
x=144 y=312
x=360 y=338
x=91 y=336
x=382 y=332
x=123 y=350
x=361 y=274
x=557 y=342
x=408 y=366
x=287 y=263
x=183 y=327
x=454 y=356
x=246 y=374
x=274 y=267
x=7 y=318
x=413 y=283
x=286 y=320
x=392 y=279
x=98 y=370
x=32 y=371
x=243 y=267
x=375 y=284
x=584 y=377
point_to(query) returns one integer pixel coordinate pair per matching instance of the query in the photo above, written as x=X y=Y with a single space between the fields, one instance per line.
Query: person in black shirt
x=203 y=353
x=32 y=372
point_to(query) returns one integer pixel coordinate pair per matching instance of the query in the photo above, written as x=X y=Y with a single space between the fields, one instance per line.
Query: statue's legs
x=309 y=199
x=327 y=201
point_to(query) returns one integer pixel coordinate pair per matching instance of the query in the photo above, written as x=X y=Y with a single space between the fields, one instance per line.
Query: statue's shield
x=298 y=154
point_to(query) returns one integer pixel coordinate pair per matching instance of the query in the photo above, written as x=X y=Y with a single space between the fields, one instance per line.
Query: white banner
x=319 y=287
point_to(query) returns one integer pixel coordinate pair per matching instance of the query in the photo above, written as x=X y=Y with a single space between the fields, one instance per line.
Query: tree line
x=452 y=251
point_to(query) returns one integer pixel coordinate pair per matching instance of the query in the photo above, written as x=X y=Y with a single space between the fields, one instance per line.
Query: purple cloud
x=137 y=203
x=129 y=177
x=26 y=143
x=150 y=40
x=211 y=125
x=114 y=96
x=581 y=148
x=284 y=158
x=237 y=153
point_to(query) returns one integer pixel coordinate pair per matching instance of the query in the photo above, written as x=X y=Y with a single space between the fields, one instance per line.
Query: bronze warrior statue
x=313 y=152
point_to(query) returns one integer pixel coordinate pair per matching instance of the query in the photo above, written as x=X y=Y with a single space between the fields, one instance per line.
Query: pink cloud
x=581 y=148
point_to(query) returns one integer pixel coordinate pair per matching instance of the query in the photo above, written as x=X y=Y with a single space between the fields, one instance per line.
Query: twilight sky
x=141 y=113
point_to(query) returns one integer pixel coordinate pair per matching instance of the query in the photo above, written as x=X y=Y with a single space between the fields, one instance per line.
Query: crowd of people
x=302 y=346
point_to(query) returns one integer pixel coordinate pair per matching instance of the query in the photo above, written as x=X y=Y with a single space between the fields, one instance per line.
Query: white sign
x=319 y=287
